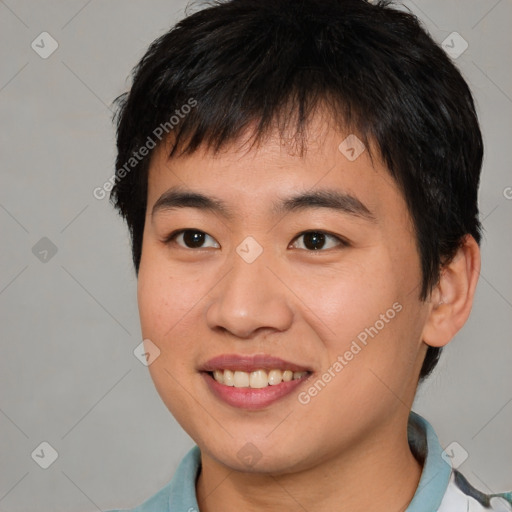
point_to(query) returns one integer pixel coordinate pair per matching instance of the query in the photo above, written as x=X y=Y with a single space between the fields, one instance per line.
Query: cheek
x=165 y=296
x=163 y=304
x=349 y=297
x=153 y=295
x=365 y=312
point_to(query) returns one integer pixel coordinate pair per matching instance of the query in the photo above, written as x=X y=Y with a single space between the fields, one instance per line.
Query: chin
x=259 y=457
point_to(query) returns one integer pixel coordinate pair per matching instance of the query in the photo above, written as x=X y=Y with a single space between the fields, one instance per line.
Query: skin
x=347 y=448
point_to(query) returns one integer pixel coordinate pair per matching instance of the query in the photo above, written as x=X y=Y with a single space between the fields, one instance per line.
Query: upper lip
x=250 y=363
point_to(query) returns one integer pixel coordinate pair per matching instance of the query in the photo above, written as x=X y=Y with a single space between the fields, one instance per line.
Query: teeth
x=257 y=379
x=228 y=378
x=275 y=377
x=218 y=376
x=241 y=380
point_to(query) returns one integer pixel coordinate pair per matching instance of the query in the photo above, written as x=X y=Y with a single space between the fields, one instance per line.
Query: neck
x=380 y=469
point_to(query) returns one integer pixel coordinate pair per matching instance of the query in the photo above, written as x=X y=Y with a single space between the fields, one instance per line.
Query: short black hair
x=271 y=63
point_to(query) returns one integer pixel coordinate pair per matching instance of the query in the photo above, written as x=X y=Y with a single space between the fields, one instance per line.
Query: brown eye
x=189 y=238
x=193 y=239
x=316 y=240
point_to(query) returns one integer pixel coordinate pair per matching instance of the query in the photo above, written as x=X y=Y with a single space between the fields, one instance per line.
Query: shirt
x=441 y=487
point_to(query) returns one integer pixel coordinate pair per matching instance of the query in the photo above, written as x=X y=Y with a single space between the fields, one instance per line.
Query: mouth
x=256 y=379
x=252 y=382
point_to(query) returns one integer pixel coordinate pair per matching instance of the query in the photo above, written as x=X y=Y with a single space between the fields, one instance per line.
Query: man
x=300 y=182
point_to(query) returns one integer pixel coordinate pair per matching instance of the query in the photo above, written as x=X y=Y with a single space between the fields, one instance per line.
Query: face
x=302 y=268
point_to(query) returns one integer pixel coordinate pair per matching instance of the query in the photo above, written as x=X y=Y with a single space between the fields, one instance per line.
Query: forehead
x=247 y=180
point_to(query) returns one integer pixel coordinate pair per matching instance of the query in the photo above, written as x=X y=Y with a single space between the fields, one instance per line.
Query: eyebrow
x=179 y=197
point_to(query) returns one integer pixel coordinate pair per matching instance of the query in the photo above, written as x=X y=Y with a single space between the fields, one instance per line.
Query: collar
x=436 y=471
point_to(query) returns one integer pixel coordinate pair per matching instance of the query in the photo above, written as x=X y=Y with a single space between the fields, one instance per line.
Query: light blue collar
x=436 y=471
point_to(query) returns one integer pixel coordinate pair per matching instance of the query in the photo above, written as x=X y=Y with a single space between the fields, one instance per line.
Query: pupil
x=315 y=239
x=193 y=238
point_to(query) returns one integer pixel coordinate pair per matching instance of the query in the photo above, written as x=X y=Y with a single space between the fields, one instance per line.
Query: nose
x=250 y=298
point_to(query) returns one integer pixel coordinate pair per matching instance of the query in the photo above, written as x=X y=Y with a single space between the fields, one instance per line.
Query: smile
x=252 y=381
x=257 y=379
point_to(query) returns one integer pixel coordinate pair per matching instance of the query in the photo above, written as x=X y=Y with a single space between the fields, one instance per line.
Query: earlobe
x=452 y=298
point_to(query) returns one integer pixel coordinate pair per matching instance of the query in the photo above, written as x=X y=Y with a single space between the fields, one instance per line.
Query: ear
x=452 y=297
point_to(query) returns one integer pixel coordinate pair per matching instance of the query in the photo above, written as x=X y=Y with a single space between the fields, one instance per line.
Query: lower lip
x=251 y=398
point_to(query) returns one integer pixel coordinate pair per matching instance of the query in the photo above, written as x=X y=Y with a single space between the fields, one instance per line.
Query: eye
x=316 y=240
x=189 y=238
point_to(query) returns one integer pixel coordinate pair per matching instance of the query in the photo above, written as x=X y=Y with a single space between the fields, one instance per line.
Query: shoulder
x=179 y=493
x=461 y=495
x=442 y=488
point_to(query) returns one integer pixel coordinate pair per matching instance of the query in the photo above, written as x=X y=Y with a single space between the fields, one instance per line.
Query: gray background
x=69 y=324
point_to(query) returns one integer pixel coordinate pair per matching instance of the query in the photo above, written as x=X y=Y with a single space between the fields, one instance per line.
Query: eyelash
x=341 y=242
